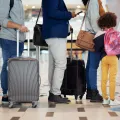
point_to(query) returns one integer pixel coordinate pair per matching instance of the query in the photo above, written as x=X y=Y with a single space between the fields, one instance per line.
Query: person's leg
x=113 y=61
x=13 y=48
x=57 y=46
x=8 y=51
x=58 y=49
x=104 y=70
x=93 y=66
x=51 y=69
x=88 y=93
x=113 y=74
x=4 y=74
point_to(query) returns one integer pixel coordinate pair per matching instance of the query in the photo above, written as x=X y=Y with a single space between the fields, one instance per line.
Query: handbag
x=37 y=36
x=85 y=38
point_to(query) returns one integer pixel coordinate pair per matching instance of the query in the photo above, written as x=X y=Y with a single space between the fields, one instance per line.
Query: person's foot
x=64 y=97
x=5 y=99
x=51 y=94
x=96 y=97
x=114 y=103
x=57 y=99
x=88 y=94
x=106 y=102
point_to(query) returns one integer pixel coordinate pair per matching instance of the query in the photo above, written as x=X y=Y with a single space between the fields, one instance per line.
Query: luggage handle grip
x=18 y=35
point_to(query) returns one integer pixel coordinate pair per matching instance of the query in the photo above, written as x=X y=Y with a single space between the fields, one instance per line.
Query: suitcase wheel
x=11 y=104
x=76 y=97
x=64 y=96
x=34 y=104
x=81 y=96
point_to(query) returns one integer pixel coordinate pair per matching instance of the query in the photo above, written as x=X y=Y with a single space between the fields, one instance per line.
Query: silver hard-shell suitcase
x=23 y=79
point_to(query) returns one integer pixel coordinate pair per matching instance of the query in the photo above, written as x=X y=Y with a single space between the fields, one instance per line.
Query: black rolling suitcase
x=74 y=82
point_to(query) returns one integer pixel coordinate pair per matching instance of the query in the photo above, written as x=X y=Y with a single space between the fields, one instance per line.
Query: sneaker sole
x=105 y=104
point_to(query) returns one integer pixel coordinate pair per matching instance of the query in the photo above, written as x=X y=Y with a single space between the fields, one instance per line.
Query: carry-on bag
x=23 y=79
x=38 y=39
x=74 y=82
x=85 y=38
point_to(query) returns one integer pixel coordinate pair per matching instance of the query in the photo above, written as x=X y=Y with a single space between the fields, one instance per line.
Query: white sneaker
x=114 y=103
x=106 y=102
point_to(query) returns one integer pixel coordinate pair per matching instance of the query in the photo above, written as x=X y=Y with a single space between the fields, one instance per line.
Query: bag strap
x=11 y=5
x=85 y=15
x=38 y=15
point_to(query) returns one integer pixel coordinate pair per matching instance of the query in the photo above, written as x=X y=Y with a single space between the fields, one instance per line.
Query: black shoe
x=65 y=98
x=5 y=99
x=57 y=99
x=88 y=94
x=96 y=97
x=51 y=94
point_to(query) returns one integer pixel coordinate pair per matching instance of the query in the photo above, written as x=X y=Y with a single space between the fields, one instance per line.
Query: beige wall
x=114 y=6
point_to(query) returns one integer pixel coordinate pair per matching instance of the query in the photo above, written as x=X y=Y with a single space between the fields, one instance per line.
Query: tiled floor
x=74 y=111
x=80 y=110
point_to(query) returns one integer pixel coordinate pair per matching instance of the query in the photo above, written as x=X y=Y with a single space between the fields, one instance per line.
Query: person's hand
x=23 y=29
x=71 y=29
x=73 y=14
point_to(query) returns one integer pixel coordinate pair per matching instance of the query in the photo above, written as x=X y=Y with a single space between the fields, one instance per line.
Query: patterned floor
x=80 y=110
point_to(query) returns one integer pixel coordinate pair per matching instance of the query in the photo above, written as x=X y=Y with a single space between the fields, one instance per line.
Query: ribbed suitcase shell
x=23 y=79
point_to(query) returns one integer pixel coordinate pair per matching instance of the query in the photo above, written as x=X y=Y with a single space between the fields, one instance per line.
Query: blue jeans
x=8 y=51
x=91 y=69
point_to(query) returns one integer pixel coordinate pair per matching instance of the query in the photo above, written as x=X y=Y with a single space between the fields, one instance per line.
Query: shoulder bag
x=37 y=37
x=85 y=38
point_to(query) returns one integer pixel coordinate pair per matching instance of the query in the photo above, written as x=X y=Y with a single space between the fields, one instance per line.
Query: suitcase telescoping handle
x=18 y=37
x=71 y=49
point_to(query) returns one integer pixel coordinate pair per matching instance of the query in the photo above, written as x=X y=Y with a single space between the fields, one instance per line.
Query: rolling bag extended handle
x=18 y=37
x=71 y=49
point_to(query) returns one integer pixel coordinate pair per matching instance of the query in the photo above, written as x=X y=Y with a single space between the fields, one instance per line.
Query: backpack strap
x=11 y=5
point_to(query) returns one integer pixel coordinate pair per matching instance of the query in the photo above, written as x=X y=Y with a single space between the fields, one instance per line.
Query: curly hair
x=107 y=20
x=85 y=2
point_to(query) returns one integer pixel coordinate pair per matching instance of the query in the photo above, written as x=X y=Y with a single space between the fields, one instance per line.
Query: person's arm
x=54 y=12
x=101 y=8
x=93 y=12
x=4 y=20
x=13 y=25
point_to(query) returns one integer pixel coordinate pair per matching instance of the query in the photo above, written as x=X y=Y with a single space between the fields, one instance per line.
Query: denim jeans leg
x=4 y=76
x=94 y=59
x=8 y=51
